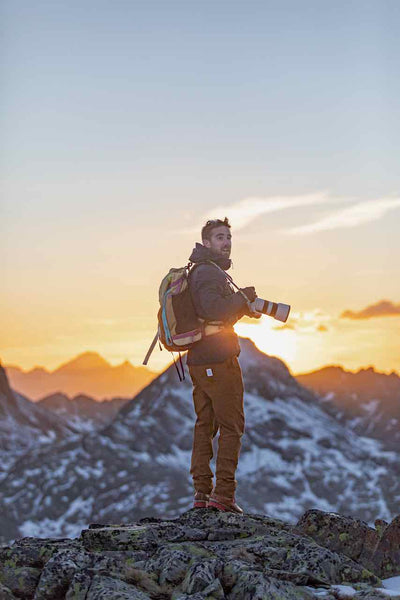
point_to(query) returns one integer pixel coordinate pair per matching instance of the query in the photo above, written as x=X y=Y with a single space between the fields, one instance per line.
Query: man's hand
x=255 y=314
x=250 y=293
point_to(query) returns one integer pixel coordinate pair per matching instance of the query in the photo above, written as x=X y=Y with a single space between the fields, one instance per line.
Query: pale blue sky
x=243 y=96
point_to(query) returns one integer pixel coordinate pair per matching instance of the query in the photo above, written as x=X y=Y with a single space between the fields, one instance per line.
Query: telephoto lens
x=278 y=311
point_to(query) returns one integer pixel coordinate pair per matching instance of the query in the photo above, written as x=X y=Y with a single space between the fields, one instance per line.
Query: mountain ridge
x=82 y=411
x=295 y=456
x=367 y=401
x=335 y=367
x=89 y=360
x=24 y=424
x=87 y=373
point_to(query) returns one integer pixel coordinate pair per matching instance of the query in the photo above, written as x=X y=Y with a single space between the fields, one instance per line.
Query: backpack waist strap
x=210 y=329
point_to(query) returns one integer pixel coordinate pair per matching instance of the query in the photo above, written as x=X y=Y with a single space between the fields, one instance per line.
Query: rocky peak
x=207 y=555
x=22 y=423
x=4 y=385
x=8 y=402
x=85 y=361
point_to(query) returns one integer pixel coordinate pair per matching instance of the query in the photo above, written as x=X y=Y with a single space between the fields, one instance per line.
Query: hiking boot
x=200 y=500
x=224 y=503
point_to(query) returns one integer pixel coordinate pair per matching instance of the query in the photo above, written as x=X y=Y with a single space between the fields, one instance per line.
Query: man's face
x=220 y=241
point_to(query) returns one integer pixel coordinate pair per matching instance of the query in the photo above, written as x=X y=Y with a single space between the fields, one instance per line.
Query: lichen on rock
x=205 y=555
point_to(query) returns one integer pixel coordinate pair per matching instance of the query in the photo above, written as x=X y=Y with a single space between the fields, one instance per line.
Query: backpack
x=178 y=324
x=179 y=327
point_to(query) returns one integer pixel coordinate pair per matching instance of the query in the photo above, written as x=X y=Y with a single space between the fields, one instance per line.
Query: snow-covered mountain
x=367 y=401
x=24 y=425
x=83 y=412
x=88 y=373
x=295 y=456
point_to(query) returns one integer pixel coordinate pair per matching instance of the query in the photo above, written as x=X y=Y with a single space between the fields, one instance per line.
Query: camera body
x=278 y=311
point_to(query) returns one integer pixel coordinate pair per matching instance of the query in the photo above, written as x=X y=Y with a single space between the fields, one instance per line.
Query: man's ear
x=207 y=243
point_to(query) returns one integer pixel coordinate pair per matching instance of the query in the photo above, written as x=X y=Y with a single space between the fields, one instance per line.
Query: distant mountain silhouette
x=88 y=373
x=85 y=361
x=367 y=401
x=83 y=412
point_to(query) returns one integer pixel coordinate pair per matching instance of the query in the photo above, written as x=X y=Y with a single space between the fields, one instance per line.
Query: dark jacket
x=214 y=299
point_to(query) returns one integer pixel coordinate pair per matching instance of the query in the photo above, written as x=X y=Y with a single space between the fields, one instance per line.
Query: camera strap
x=229 y=278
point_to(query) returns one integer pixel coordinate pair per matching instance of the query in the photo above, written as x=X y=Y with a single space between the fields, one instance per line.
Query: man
x=214 y=369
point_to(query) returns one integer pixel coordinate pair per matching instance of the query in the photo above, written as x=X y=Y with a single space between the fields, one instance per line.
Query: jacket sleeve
x=209 y=298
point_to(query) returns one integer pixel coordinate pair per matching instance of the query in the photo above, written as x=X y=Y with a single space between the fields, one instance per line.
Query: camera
x=278 y=311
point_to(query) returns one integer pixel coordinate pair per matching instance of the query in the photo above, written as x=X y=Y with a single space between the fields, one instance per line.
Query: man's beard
x=226 y=252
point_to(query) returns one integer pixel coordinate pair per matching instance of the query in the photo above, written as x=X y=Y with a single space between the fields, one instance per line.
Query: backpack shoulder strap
x=228 y=277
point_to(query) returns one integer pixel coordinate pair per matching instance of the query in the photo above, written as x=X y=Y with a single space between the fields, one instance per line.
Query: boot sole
x=200 y=504
x=222 y=507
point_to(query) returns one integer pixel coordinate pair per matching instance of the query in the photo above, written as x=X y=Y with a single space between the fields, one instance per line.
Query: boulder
x=386 y=556
x=201 y=575
x=58 y=573
x=338 y=533
x=108 y=588
x=378 y=550
x=21 y=581
x=206 y=555
x=254 y=585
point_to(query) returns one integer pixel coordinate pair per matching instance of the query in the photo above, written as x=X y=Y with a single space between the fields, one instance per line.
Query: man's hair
x=212 y=224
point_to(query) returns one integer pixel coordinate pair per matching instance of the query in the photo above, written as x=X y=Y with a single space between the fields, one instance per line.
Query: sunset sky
x=126 y=124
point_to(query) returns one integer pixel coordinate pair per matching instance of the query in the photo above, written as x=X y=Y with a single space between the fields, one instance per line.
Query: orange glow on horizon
x=309 y=341
x=280 y=342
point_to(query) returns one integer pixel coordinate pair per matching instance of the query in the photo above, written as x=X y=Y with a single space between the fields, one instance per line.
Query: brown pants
x=218 y=402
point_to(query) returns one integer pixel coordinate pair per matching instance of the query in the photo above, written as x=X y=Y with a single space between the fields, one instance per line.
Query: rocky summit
x=208 y=555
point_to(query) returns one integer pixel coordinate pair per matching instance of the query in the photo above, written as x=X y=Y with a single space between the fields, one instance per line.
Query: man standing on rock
x=215 y=370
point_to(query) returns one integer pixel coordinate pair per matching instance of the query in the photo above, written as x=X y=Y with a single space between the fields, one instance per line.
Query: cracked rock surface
x=206 y=555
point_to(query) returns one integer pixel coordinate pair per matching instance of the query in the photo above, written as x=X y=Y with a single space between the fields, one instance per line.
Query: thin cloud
x=384 y=308
x=290 y=326
x=352 y=216
x=242 y=213
x=307 y=321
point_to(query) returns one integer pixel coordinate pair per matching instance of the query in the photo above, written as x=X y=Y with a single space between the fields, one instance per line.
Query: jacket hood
x=200 y=253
